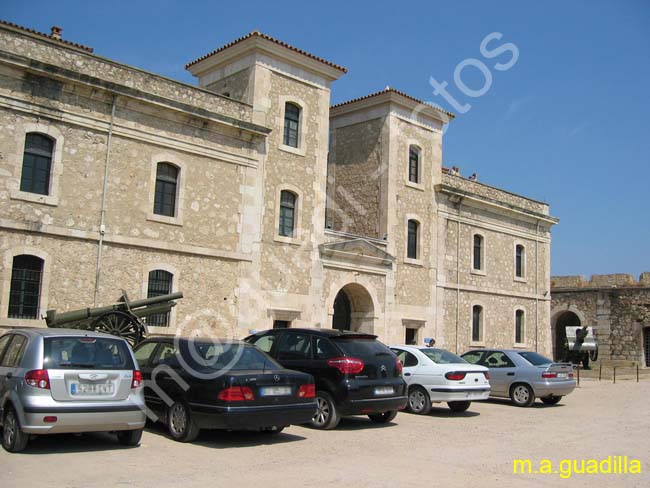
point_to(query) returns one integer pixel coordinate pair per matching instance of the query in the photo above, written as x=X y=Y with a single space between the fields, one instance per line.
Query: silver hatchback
x=55 y=381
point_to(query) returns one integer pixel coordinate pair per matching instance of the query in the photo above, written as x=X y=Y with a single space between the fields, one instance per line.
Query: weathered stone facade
x=349 y=172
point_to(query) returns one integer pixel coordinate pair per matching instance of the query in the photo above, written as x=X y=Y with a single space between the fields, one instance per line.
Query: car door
x=410 y=364
x=502 y=371
x=6 y=373
x=143 y=355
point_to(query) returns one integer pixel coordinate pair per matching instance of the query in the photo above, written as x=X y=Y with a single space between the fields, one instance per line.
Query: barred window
x=160 y=283
x=520 y=256
x=25 y=291
x=287 y=213
x=519 y=327
x=477 y=323
x=291 y=124
x=414 y=164
x=413 y=231
x=477 y=263
x=37 y=164
x=165 y=196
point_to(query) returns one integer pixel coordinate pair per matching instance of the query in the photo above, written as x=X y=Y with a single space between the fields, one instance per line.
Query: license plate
x=91 y=389
x=384 y=390
x=275 y=391
x=562 y=375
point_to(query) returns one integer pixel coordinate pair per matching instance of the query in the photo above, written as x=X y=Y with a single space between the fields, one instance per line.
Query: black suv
x=355 y=374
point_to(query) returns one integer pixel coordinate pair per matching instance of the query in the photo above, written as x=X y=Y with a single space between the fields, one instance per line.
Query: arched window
x=165 y=196
x=287 y=214
x=519 y=326
x=477 y=261
x=160 y=283
x=291 y=124
x=520 y=261
x=477 y=323
x=414 y=164
x=412 y=241
x=37 y=163
x=25 y=291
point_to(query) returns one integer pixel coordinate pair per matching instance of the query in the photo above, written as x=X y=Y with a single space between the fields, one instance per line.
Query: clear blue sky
x=567 y=124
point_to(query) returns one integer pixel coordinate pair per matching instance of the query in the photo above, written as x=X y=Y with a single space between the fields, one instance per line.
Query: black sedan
x=193 y=383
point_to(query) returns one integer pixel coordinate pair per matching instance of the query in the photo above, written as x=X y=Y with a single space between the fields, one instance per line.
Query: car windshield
x=534 y=358
x=217 y=356
x=86 y=353
x=440 y=356
x=363 y=348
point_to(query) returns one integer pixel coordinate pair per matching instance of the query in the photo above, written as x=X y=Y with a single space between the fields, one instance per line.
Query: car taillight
x=347 y=365
x=455 y=375
x=236 y=394
x=570 y=375
x=38 y=378
x=399 y=366
x=307 y=391
x=549 y=375
x=487 y=375
x=136 y=382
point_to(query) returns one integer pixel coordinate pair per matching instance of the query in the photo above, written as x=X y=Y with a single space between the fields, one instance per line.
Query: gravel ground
x=442 y=449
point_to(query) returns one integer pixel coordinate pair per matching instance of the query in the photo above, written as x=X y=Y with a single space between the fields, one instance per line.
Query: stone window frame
x=519 y=308
x=483 y=270
x=483 y=328
x=419 y=185
x=298 y=234
x=5 y=285
x=176 y=278
x=420 y=249
x=56 y=169
x=177 y=219
x=524 y=277
x=302 y=136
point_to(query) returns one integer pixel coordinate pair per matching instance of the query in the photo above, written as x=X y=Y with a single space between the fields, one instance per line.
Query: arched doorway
x=646 y=345
x=353 y=309
x=564 y=320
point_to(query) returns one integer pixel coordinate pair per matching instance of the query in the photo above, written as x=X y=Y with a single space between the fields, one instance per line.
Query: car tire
x=383 y=417
x=180 y=423
x=419 y=401
x=459 y=406
x=13 y=438
x=129 y=437
x=522 y=395
x=327 y=416
x=551 y=400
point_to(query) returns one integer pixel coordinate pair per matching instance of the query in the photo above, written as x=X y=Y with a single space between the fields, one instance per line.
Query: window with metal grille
x=287 y=213
x=477 y=323
x=37 y=164
x=25 y=291
x=414 y=164
x=165 y=197
x=519 y=327
x=412 y=249
x=291 y=124
x=520 y=254
x=160 y=283
x=478 y=252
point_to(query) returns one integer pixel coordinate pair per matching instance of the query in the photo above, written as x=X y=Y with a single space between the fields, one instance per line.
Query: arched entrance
x=353 y=309
x=564 y=320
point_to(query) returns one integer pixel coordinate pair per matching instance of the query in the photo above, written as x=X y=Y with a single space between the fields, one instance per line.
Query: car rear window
x=534 y=358
x=219 y=356
x=362 y=348
x=440 y=356
x=86 y=353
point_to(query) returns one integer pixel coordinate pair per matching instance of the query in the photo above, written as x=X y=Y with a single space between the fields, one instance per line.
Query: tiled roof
x=42 y=34
x=388 y=89
x=268 y=38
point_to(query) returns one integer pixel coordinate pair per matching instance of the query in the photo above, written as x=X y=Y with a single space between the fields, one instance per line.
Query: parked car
x=55 y=381
x=355 y=374
x=201 y=383
x=523 y=376
x=435 y=375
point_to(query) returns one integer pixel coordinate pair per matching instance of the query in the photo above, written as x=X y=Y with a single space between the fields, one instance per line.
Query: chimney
x=56 y=32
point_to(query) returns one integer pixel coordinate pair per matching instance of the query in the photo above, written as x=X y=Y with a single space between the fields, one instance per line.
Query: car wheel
x=129 y=437
x=458 y=406
x=383 y=417
x=13 y=438
x=551 y=400
x=419 y=401
x=327 y=417
x=522 y=395
x=180 y=424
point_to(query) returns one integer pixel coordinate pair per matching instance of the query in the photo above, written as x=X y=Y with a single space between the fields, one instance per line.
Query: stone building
x=266 y=206
x=617 y=307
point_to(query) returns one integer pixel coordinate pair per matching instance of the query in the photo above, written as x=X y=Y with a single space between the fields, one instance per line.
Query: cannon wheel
x=120 y=324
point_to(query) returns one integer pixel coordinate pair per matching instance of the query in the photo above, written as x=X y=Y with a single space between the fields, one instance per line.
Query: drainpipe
x=536 y=286
x=460 y=202
x=102 y=215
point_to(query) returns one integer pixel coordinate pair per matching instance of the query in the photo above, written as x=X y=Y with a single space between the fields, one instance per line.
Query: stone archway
x=561 y=322
x=353 y=309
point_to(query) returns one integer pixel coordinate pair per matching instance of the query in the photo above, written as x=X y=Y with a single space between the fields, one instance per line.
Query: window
x=25 y=292
x=519 y=327
x=408 y=360
x=37 y=164
x=4 y=342
x=143 y=353
x=166 y=354
x=294 y=346
x=520 y=261
x=410 y=336
x=477 y=256
x=324 y=349
x=165 y=196
x=497 y=359
x=291 y=124
x=281 y=324
x=414 y=164
x=477 y=323
x=413 y=230
x=287 y=213
x=14 y=355
x=160 y=283
x=265 y=343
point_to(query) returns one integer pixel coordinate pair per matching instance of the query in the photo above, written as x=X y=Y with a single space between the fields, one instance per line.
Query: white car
x=435 y=375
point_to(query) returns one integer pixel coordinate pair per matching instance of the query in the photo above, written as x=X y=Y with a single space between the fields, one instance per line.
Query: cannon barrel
x=54 y=319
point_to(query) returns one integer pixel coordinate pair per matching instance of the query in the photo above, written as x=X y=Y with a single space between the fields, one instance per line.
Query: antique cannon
x=123 y=319
x=580 y=345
